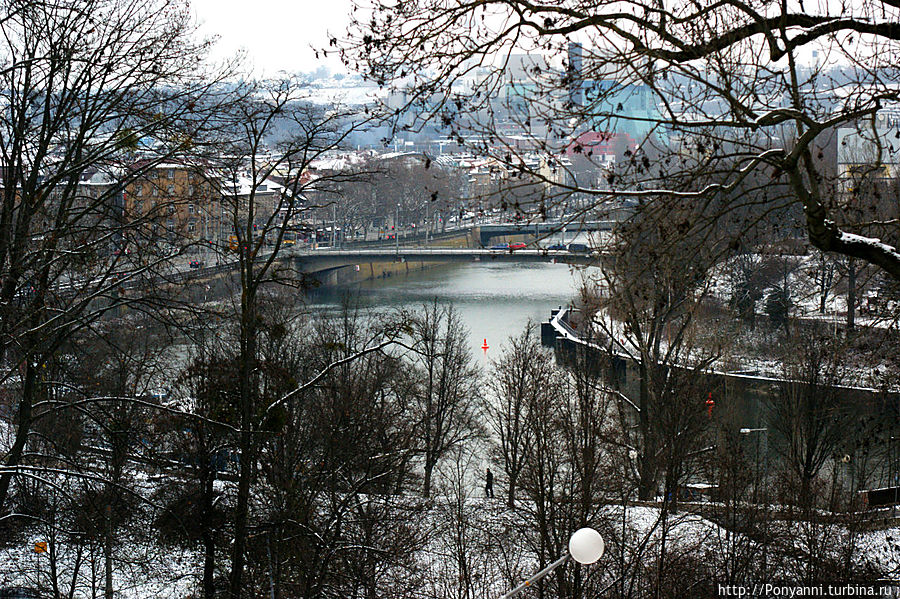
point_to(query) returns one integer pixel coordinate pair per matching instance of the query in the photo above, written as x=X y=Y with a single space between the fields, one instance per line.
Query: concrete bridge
x=335 y=266
x=487 y=232
x=318 y=261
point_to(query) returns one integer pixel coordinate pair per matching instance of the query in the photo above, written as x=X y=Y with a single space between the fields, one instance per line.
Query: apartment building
x=175 y=202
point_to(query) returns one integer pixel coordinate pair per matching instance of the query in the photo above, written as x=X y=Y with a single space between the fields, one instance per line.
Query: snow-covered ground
x=806 y=307
x=142 y=570
x=492 y=533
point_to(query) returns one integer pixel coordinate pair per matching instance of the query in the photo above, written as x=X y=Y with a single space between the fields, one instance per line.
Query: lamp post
x=585 y=547
x=765 y=434
x=397 y=232
x=892 y=473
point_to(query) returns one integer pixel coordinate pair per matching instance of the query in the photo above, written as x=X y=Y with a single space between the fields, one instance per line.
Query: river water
x=495 y=301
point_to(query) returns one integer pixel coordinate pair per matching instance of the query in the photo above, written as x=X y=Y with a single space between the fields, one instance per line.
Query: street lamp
x=397 y=232
x=765 y=432
x=586 y=546
x=892 y=474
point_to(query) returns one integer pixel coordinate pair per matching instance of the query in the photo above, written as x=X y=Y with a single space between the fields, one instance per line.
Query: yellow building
x=176 y=203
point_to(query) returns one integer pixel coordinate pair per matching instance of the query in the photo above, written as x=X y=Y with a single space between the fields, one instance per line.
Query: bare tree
x=86 y=87
x=650 y=302
x=725 y=89
x=197 y=448
x=336 y=519
x=447 y=385
x=271 y=130
x=378 y=190
x=542 y=479
x=809 y=415
x=522 y=372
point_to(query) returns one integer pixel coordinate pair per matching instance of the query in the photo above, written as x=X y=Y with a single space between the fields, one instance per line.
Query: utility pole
x=333 y=224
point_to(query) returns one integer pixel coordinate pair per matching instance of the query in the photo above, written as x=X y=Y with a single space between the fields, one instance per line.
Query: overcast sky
x=277 y=34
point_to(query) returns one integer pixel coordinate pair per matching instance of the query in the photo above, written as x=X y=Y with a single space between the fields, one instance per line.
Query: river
x=494 y=300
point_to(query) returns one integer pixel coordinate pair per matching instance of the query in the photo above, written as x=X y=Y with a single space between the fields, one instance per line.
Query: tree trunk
x=209 y=541
x=823 y=299
x=805 y=498
x=119 y=444
x=93 y=571
x=79 y=556
x=241 y=509
x=247 y=396
x=647 y=484
x=54 y=573
x=107 y=555
x=23 y=427
x=851 y=294
x=429 y=469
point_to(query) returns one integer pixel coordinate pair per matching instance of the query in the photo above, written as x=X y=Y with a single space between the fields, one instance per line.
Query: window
x=171 y=173
x=155 y=191
x=191 y=227
x=190 y=208
x=171 y=209
x=138 y=189
x=170 y=189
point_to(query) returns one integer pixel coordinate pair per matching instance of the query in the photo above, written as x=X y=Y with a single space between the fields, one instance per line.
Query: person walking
x=489 y=484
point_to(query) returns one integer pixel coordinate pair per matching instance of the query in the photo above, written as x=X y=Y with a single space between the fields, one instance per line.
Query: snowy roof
x=243 y=185
x=337 y=162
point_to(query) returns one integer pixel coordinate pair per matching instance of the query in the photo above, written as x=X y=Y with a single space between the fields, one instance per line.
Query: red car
x=517 y=246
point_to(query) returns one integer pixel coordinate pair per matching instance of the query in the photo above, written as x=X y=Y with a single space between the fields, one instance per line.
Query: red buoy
x=485 y=346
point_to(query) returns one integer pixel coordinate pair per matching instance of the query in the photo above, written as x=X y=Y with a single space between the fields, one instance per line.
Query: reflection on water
x=493 y=300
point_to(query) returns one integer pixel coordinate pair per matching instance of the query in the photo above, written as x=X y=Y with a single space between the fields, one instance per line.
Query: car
x=502 y=247
x=196 y=264
x=557 y=247
x=517 y=246
x=578 y=248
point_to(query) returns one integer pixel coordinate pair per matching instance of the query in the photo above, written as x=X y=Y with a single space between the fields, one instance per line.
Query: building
x=869 y=149
x=175 y=202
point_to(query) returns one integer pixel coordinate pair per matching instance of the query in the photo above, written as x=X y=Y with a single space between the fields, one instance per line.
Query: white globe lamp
x=586 y=546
